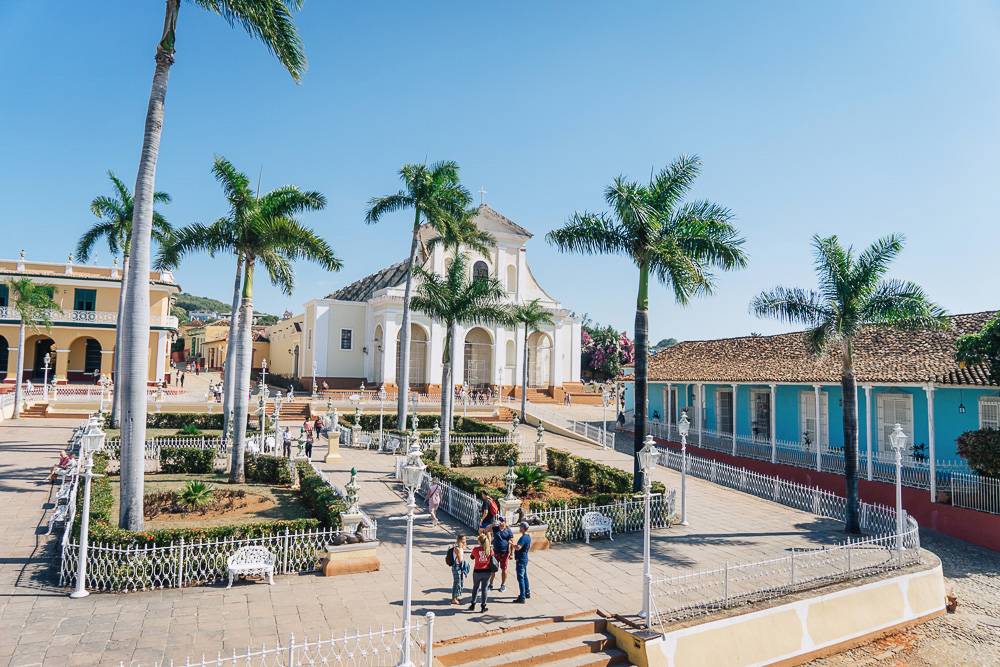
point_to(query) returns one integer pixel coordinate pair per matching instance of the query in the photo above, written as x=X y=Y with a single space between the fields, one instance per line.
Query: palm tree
x=33 y=303
x=852 y=295
x=677 y=243
x=533 y=316
x=258 y=230
x=455 y=299
x=271 y=22
x=453 y=232
x=115 y=225
x=434 y=193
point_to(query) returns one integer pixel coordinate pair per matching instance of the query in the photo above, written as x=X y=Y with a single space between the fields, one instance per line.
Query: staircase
x=293 y=411
x=504 y=415
x=580 y=640
x=36 y=411
x=540 y=395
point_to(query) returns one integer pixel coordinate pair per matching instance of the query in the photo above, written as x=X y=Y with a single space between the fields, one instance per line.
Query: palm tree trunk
x=228 y=377
x=849 y=390
x=116 y=362
x=20 y=369
x=446 y=391
x=241 y=375
x=135 y=337
x=403 y=372
x=524 y=377
x=641 y=389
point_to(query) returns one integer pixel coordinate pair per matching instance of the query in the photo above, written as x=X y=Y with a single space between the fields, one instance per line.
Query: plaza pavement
x=40 y=625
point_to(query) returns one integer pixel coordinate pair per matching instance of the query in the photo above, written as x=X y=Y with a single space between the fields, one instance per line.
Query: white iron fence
x=968 y=489
x=382 y=647
x=476 y=449
x=685 y=596
x=564 y=523
x=590 y=432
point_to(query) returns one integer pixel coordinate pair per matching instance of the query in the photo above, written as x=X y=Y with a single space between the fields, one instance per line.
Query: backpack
x=494 y=510
x=449 y=558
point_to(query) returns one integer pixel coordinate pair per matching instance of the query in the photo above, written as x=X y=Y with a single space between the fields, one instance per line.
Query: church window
x=480 y=271
x=346 y=336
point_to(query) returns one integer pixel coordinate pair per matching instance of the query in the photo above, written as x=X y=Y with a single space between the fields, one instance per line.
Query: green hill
x=185 y=304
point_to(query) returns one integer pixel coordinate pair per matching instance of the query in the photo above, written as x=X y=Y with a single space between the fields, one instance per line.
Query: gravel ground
x=970 y=636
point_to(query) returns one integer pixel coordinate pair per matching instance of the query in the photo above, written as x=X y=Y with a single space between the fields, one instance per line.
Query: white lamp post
x=263 y=373
x=605 y=401
x=413 y=473
x=381 y=411
x=93 y=439
x=648 y=456
x=413 y=411
x=356 y=400
x=897 y=440
x=315 y=388
x=683 y=427
x=465 y=402
x=47 y=361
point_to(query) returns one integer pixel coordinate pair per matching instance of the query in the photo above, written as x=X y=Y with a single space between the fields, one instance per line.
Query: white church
x=351 y=336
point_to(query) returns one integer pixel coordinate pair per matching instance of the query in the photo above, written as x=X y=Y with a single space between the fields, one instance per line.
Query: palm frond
x=833 y=267
x=793 y=305
x=873 y=263
x=903 y=304
x=289 y=200
x=296 y=241
x=271 y=22
x=235 y=184
x=630 y=204
x=672 y=183
x=279 y=270
x=380 y=206
x=86 y=243
x=590 y=234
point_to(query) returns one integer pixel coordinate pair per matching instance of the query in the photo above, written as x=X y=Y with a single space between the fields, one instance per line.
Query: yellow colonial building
x=81 y=340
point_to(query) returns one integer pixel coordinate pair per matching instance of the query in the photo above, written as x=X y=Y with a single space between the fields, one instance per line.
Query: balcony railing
x=88 y=316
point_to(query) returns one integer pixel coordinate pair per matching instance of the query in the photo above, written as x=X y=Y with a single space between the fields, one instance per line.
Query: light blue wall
x=949 y=423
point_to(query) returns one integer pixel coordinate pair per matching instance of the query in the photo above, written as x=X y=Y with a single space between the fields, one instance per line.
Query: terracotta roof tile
x=881 y=355
x=362 y=290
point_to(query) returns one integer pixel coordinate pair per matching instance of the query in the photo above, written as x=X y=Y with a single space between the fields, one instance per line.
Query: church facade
x=352 y=335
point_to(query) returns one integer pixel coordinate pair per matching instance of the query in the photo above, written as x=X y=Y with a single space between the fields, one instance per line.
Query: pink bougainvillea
x=605 y=351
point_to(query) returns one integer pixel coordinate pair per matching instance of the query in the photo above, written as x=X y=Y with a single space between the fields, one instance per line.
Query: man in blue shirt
x=502 y=537
x=521 y=550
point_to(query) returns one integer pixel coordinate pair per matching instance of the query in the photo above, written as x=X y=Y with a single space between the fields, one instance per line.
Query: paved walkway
x=39 y=624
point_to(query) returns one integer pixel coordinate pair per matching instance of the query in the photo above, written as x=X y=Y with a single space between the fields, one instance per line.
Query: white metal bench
x=253 y=561
x=595 y=523
x=58 y=516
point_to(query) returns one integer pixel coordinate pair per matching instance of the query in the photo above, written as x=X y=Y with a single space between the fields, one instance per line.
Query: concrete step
x=549 y=652
x=475 y=649
x=605 y=658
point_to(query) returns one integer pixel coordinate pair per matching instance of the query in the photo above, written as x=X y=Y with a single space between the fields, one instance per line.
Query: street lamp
x=45 y=382
x=263 y=373
x=465 y=402
x=897 y=440
x=413 y=473
x=413 y=411
x=648 y=456
x=315 y=388
x=93 y=440
x=683 y=427
x=605 y=401
x=356 y=400
x=381 y=412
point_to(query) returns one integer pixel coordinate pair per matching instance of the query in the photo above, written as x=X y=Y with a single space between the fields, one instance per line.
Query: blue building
x=771 y=395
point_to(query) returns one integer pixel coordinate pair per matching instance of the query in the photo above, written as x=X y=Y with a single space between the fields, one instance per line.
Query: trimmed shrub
x=181 y=420
x=463 y=425
x=490 y=454
x=186 y=460
x=981 y=449
x=105 y=532
x=559 y=463
x=319 y=497
x=591 y=476
x=266 y=469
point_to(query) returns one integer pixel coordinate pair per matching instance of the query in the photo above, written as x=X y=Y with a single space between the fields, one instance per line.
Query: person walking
x=291 y=391
x=182 y=379
x=309 y=444
x=459 y=568
x=483 y=566
x=318 y=426
x=487 y=512
x=521 y=550
x=286 y=443
x=502 y=537
x=434 y=494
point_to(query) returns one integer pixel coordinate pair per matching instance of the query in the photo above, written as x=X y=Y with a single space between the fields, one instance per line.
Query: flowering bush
x=605 y=351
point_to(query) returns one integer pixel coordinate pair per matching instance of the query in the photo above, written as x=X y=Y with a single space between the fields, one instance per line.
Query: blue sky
x=859 y=118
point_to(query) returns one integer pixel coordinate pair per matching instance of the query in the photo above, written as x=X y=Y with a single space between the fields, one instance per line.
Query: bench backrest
x=251 y=555
x=594 y=519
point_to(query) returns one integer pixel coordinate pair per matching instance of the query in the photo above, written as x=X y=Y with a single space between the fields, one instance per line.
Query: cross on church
x=482 y=195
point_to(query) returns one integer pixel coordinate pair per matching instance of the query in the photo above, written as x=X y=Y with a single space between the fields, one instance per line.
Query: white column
x=773 y=414
x=161 y=354
x=701 y=412
x=668 y=403
x=931 y=451
x=816 y=435
x=735 y=419
x=868 y=429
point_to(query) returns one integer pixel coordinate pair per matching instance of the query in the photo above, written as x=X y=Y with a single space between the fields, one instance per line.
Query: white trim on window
x=892 y=409
x=807 y=418
x=989 y=412
x=348 y=338
x=763 y=430
x=718 y=411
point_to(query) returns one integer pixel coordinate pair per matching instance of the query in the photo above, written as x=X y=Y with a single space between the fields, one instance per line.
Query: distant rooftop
x=69 y=269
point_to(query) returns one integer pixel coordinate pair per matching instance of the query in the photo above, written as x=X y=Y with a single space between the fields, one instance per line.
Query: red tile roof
x=881 y=354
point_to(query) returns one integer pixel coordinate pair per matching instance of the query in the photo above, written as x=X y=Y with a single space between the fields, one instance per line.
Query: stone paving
x=40 y=625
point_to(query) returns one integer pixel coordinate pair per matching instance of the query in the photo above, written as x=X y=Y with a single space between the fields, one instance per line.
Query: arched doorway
x=539 y=359
x=478 y=359
x=40 y=347
x=418 y=354
x=379 y=355
x=4 y=353
x=480 y=270
x=84 y=360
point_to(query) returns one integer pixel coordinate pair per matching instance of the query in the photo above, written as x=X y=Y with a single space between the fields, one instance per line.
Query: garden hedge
x=590 y=475
x=319 y=497
x=178 y=420
x=192 y=460
x=463 y=425
x=266 y=469
x=981 y=450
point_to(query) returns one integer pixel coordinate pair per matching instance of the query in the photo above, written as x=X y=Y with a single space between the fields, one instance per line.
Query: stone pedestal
x=538 y=540
x=508 y=508
x=350 y=521
x=349 y=559
x=333 y=446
